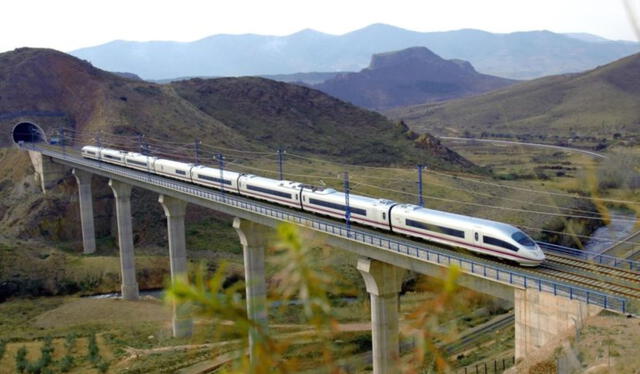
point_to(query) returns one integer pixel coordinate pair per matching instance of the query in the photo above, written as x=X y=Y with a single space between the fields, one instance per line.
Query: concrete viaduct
x=543 y=308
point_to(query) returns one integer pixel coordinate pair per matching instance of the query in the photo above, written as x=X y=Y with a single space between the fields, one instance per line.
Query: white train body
x=478 y=235
x=139 y=161
x=363 y=210
x=222 y=180
x=173 y=169
x=277 y=191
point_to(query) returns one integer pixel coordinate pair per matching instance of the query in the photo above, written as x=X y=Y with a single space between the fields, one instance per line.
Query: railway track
x=479 y=332
x=588 y=266
x=627 y=241
x=589 y=281
x=567 y=270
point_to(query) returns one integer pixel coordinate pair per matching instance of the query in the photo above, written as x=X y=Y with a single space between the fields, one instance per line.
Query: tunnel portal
x=28 y=132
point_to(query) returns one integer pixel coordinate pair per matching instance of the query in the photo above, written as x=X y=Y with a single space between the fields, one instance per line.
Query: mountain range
x=407 y=77
x=518 y=55
x=598 y=106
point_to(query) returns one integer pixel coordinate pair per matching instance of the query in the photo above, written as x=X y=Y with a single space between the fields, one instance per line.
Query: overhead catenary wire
x=431 y=183
x=491 y=206
x=185 y=156
x=474 y=181
x=436 y=198
x=465 y=202
x=568 y=195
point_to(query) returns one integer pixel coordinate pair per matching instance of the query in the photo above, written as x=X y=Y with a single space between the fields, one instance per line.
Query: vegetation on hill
x=248 y=114
x=241 y=113
x=407 y=77
x=597 y=107
x=304 y=120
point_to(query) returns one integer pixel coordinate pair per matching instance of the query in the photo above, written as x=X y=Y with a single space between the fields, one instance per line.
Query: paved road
x=590 y=153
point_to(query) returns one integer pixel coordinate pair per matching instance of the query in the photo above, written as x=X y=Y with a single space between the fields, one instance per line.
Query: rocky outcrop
x=410 y=76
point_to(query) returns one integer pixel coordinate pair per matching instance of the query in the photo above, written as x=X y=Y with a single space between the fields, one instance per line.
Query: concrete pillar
x=122 y=193
x=86 y=210
x=541 y=317
x=174 y=209
x=254 y=237
x=383 y=283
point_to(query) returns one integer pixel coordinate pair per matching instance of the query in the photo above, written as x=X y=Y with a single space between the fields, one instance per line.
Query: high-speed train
x=475 y=234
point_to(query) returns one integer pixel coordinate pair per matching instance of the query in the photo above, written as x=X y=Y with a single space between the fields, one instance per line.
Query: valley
x=595 y=109
x=429 y=99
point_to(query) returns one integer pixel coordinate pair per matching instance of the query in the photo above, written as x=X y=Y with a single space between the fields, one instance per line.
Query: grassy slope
x=597 y=103
x=303 y=120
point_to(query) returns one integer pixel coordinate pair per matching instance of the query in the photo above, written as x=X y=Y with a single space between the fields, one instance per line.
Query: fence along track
x=488 y=269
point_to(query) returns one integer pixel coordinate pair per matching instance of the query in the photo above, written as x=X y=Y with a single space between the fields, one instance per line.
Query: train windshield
x=521 y=238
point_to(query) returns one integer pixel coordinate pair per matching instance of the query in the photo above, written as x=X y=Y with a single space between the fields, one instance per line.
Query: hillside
x=242 y=113
x=407 y=77
x=250 y=114
x=518 y=55
x=591 y=106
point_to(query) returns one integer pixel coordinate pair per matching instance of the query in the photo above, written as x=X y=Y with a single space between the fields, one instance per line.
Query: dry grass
x=108 y=311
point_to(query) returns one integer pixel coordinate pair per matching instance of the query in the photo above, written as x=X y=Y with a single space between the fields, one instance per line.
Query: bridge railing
x=621 y=263
x=414 y=250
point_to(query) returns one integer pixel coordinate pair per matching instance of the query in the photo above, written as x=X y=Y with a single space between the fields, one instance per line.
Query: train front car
x=478 y=235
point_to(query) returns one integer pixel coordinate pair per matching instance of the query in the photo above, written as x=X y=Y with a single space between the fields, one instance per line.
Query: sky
x=71 y=24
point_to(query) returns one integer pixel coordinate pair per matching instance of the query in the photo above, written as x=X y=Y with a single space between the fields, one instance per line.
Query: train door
x=476 y=235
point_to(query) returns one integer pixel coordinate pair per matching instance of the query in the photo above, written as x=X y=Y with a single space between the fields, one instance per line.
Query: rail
x=622 y=263
x=413 y=250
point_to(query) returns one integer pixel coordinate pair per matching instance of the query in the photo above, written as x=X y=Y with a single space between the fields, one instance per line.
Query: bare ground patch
x=109 y=311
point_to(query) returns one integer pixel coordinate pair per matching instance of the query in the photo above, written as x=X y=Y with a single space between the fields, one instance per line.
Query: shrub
x=619 y=171
x=70 y=342
x=102 y=366
x=94 y=352
x=66 y=363
x=35 y=367
x=21 y=359
x=47 y=351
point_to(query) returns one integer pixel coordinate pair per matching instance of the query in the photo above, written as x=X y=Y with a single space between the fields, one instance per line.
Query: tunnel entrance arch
x=28 y=132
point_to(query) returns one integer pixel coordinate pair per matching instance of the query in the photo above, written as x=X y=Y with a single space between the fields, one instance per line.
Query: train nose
x=538 y=254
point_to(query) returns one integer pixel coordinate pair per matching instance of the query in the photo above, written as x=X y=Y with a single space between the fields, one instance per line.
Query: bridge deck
x=389 y=248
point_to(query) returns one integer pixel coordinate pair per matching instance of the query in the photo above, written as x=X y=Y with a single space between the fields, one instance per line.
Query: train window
x=328 y=204
x=499 y=243
x=435 y=228
x=91 y=153
x=268 y=191
x=296 y=196
x=477 y=236
x=523 y=239
x=384 y=215
x=214 y=179
x=113 y=157
x=181 y=172
x=137 y=162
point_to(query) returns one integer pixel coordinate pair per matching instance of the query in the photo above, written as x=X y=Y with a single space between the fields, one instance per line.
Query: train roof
x=338 y=196
x=280 y=183
x=447 y=218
